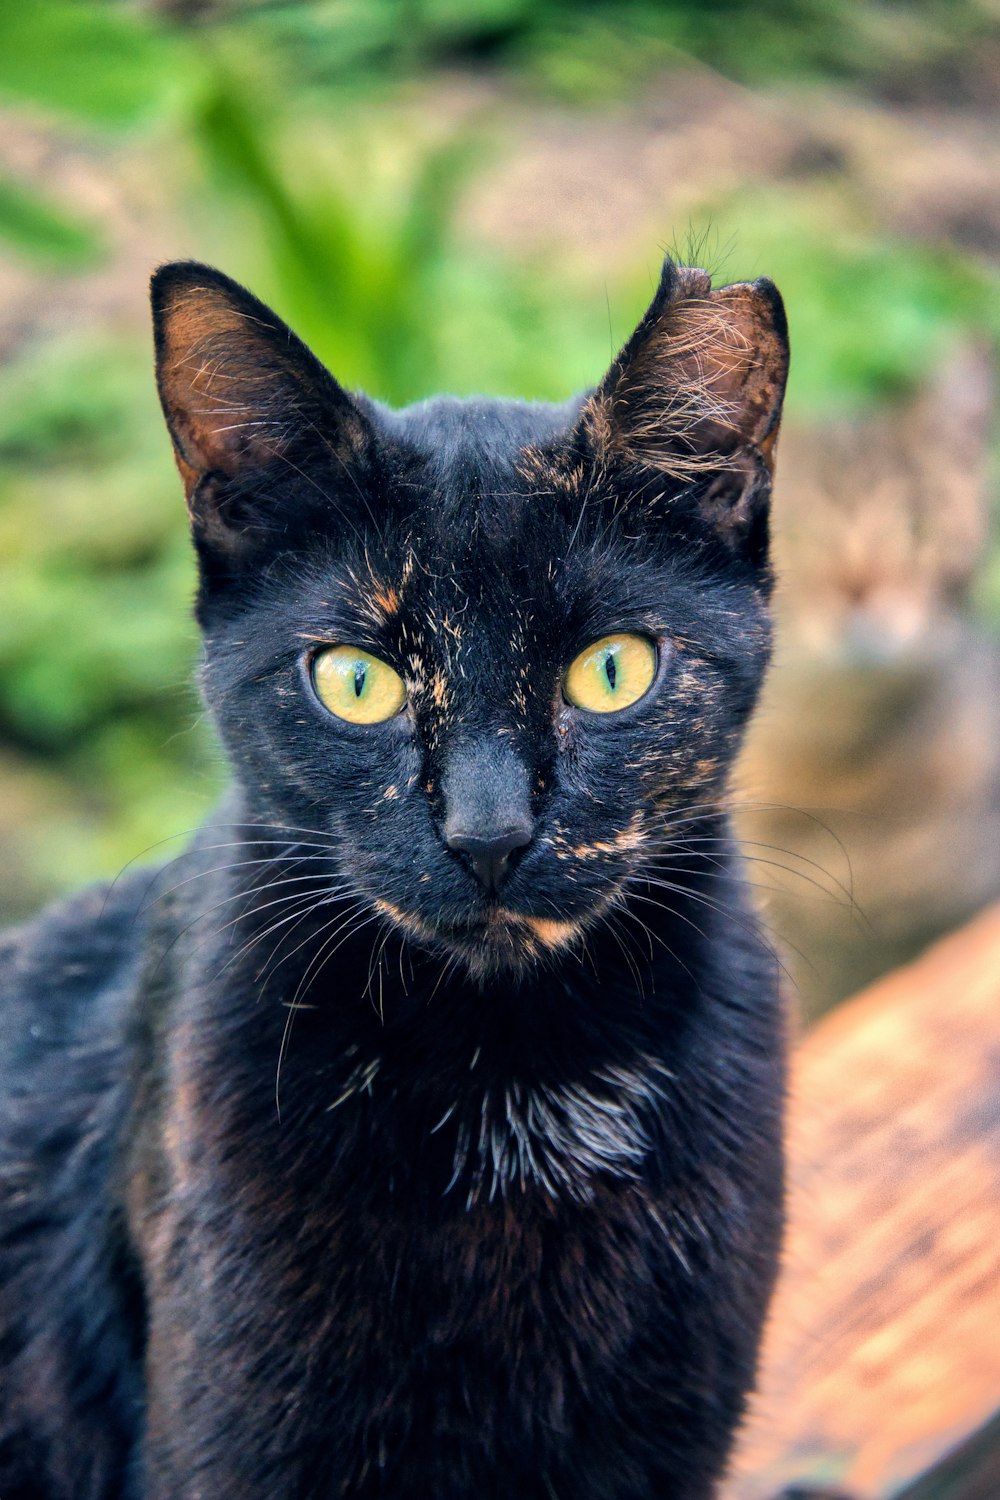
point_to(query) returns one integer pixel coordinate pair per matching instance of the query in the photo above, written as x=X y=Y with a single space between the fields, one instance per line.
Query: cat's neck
x=346 y=1023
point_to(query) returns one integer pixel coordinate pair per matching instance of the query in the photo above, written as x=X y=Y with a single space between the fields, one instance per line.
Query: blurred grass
x=40 y=228
x=355 y=236
x=593 y=50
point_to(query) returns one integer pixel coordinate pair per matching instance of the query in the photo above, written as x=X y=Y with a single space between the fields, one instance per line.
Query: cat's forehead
x=450 y=432
x=442 y=586
x=469 y=514
x=487 y=513
x=464 y=461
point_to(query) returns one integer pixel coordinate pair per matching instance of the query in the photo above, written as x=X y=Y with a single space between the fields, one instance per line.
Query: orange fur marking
x=628 y=838
x=386 y=599
x=552 y=933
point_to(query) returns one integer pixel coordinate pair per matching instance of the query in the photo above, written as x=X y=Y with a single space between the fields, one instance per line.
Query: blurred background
x=476 y=195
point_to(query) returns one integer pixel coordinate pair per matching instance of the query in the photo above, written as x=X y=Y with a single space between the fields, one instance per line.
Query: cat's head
x=493 y=648
x=881 y=524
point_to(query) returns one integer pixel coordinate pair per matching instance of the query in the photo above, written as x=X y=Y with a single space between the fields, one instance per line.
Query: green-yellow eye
x=357 y=686
x=612 y=673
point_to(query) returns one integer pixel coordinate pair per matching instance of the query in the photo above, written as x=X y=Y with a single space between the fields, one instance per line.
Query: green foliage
x=350 y=222
x=106 y=64
x=96 y=640
x=358 y=272
x=595 y=49
x=870 y=313
x=40 y=230
x=103 y=65
x=359 y=250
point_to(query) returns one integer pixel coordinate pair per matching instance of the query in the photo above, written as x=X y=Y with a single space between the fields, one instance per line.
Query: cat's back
x=68 y=982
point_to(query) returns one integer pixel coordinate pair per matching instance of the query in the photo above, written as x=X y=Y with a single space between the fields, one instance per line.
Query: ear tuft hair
x=696 y=396
x=700 y=380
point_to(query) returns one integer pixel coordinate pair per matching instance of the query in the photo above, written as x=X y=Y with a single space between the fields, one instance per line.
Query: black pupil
x=610 y=670
x=359 y=678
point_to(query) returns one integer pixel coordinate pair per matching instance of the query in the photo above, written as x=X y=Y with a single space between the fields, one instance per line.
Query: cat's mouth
x=498 y=938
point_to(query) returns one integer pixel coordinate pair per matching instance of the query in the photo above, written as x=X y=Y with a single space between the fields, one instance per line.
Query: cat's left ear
x=240 y=392
x=696 y=394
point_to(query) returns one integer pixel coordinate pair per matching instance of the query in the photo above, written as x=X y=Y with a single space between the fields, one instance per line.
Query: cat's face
x=880 y=529
x=492 y=648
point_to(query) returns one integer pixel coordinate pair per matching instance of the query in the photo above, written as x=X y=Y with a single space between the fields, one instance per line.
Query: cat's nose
x=487 y=807
x=490 y=856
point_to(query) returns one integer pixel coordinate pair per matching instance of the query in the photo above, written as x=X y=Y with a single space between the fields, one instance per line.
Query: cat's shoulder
x=69 y=964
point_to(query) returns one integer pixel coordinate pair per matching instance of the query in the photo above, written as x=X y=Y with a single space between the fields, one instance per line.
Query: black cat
x=417 y=1135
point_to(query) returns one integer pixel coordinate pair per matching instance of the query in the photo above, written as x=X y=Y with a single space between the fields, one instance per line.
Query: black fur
x=325 y=1171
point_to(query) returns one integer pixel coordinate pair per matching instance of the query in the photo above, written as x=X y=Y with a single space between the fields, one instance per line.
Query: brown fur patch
x=410 y=924
x=217 y=380
x=551 y=933
x=626 y=840
x=555 y=472
x=386 y=598
x=235 y=388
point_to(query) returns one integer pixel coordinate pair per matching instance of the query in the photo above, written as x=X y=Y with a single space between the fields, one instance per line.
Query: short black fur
x=327 y=1170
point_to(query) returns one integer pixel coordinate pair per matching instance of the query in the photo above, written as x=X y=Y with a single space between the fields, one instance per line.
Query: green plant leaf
x=98 y=62
x=41 y=230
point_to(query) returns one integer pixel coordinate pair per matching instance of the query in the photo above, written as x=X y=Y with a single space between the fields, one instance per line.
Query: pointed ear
x=696 y=393
x=239 y=391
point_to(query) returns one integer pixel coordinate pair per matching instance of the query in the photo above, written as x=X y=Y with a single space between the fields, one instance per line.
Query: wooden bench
x=881 y=1369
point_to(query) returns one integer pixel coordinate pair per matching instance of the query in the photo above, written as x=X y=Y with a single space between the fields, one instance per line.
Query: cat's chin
x=500 y=939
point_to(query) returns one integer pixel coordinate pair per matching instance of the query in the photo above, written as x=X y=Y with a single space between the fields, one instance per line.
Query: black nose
x=490 y=856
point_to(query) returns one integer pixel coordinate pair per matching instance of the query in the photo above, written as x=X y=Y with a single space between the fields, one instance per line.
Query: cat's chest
x=361 y=1328
x=385 y=1296
x=383 y=1216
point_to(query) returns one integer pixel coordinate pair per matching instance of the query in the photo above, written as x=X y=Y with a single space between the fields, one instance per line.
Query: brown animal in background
x=876 y=753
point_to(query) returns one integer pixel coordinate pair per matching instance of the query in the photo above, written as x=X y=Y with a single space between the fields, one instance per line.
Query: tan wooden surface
x=883 y=1348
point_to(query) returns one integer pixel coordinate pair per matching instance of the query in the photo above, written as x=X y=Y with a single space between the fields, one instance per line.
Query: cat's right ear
x=695 y=396
x=241 y=395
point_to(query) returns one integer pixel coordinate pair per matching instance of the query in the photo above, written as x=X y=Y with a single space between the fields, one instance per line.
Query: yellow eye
x=612 y=673
x=356 y=686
